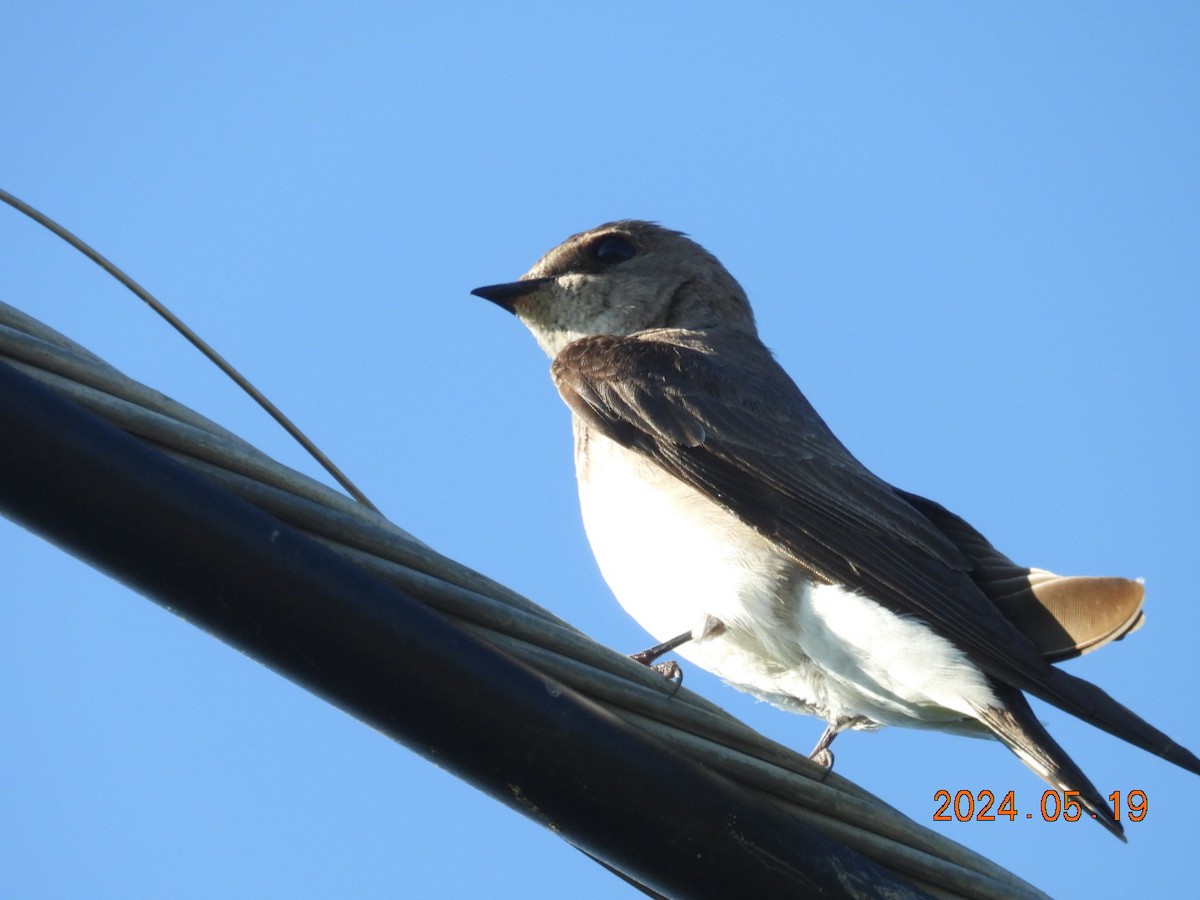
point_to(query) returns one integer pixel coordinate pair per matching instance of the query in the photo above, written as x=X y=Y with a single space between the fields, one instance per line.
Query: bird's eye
x=616 y=248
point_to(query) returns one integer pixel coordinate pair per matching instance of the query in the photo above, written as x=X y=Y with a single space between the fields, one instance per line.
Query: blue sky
x=970 y=233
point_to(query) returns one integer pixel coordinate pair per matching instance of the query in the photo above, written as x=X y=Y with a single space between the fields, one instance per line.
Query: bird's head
x=619 y=279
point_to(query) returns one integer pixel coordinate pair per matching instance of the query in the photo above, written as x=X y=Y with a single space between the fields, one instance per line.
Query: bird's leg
x=821 y=754
x=670 y=669
x=711 y=627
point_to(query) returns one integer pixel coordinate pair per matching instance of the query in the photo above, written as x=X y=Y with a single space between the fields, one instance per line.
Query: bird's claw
x=671 y=671
x=823 y=758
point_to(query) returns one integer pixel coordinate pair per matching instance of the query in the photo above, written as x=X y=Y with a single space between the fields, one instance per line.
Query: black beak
x=505 y=295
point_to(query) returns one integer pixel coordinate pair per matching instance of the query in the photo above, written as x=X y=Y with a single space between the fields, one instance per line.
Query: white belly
x=676 y=561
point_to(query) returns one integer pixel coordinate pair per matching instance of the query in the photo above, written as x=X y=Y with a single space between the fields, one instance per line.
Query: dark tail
x=1018 y=728
x=1088 y=702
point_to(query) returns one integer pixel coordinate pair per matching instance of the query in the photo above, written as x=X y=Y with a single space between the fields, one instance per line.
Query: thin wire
x=195 y=340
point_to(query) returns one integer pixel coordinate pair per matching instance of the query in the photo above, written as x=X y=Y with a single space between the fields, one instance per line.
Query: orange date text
x=983 y=806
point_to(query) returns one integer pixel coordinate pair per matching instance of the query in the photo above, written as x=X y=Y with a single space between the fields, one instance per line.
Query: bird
x=736 y=528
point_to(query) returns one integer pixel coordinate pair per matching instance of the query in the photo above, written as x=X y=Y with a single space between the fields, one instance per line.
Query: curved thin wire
x=196 y=341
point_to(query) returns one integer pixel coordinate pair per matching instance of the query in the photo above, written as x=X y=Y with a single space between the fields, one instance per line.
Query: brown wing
x=746 y=437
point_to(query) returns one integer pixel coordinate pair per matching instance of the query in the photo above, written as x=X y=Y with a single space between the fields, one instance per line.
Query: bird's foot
x=821 y=754
x=823 y=758
x=670 y=670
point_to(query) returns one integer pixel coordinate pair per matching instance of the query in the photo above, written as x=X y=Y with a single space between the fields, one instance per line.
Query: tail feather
x=1083 y=699
x=1062 y=616
x=1019 y=730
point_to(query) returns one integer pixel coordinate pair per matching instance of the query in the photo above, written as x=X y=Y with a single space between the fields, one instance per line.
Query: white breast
x=670 y=556
x=675 y=560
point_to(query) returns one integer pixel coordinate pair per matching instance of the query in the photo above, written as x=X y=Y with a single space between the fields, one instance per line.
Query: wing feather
x=746 y=437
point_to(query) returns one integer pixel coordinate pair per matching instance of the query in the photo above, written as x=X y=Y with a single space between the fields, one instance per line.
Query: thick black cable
x=664 y=821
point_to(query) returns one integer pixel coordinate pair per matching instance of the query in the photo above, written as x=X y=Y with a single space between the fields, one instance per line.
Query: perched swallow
x=729 y=521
